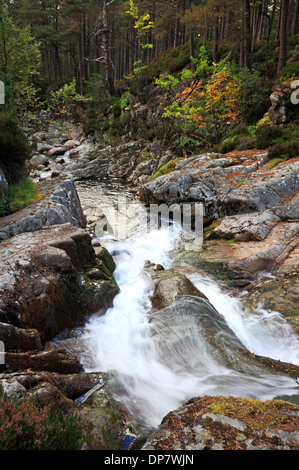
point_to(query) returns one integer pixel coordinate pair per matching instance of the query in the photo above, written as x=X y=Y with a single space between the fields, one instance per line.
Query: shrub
x=14 y=149
x=267 y=135
x=284 y=150
x=27 y=426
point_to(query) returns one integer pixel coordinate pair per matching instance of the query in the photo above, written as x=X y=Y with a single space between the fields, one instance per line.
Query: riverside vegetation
x=211 y=128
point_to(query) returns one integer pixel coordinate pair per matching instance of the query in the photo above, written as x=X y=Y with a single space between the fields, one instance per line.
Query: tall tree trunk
x=247 y=34
x=216 y=39
x=294 y=26
x=108 y=66
x=282 y=35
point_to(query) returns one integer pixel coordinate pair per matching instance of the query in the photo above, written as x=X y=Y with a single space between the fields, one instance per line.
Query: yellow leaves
x=224 y=94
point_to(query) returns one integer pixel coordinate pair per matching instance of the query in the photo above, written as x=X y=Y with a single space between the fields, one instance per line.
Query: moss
x=165 y=169
x=208 y=231
x=255 y=414
x=284 y=150
x=22 y=194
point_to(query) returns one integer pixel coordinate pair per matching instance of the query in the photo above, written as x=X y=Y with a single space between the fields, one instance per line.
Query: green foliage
x=4 y=209
x=64 y=100
x=267 y=135
x=22 y=194
x=209 y=99
x=26 y=426
x=14 y=149
x=124 y=100
x=142 y=24
x=284 y=150
x=19 y=61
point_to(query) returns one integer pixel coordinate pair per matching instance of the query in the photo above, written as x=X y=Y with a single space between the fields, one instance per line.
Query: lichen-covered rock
x=227 y=423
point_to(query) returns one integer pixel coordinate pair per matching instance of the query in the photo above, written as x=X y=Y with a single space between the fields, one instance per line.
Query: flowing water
x=161 y=360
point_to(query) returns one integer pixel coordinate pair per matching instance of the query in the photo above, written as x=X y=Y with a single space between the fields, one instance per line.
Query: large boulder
x=45 y=280
x=59 y=205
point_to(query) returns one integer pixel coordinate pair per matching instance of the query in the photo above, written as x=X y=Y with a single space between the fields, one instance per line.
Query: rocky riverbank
x=53 y=277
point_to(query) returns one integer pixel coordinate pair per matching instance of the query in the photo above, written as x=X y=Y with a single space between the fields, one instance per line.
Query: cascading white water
x=265 y=333
x=162 y=360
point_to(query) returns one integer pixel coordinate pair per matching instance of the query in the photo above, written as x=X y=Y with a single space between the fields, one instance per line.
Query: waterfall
x=160 y=360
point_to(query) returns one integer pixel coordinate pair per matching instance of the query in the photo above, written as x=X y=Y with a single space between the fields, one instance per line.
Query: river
x=163 y=359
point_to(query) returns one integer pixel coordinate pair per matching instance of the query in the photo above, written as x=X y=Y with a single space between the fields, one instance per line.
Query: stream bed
x=162 y=359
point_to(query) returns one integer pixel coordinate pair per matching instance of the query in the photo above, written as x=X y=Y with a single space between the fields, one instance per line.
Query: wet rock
x=168 y=285
x=227 y=423
x=111 y=421
x=277 y=294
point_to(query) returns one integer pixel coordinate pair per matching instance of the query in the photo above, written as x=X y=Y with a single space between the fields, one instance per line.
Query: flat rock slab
x=59 y=205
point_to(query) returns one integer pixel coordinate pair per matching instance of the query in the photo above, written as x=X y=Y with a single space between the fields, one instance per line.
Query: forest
x=218 y=61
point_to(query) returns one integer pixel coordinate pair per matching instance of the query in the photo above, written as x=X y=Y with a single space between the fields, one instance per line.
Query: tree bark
x=247 y=34
x=108 y=65
x=282 y=35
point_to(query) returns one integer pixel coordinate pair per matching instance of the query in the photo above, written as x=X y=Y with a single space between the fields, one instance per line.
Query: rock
x=231 y=261
x=38 y=160
x=60 y=205
x=145 y=168
x=17 y=338
x=111 y=420
x=13 y=389
x=262 y=190
x=56 y=151
x=246 y=227
x=47 y=394
x=227 y=423
x=168 y=285
x=200 y=177
x=43 y=147
x=277 y=112
x=73 y=386
x=70 y=144
x=42 y=280
x=56 y=360
x=120 y=160
x=279 y=294
x=103 y=255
